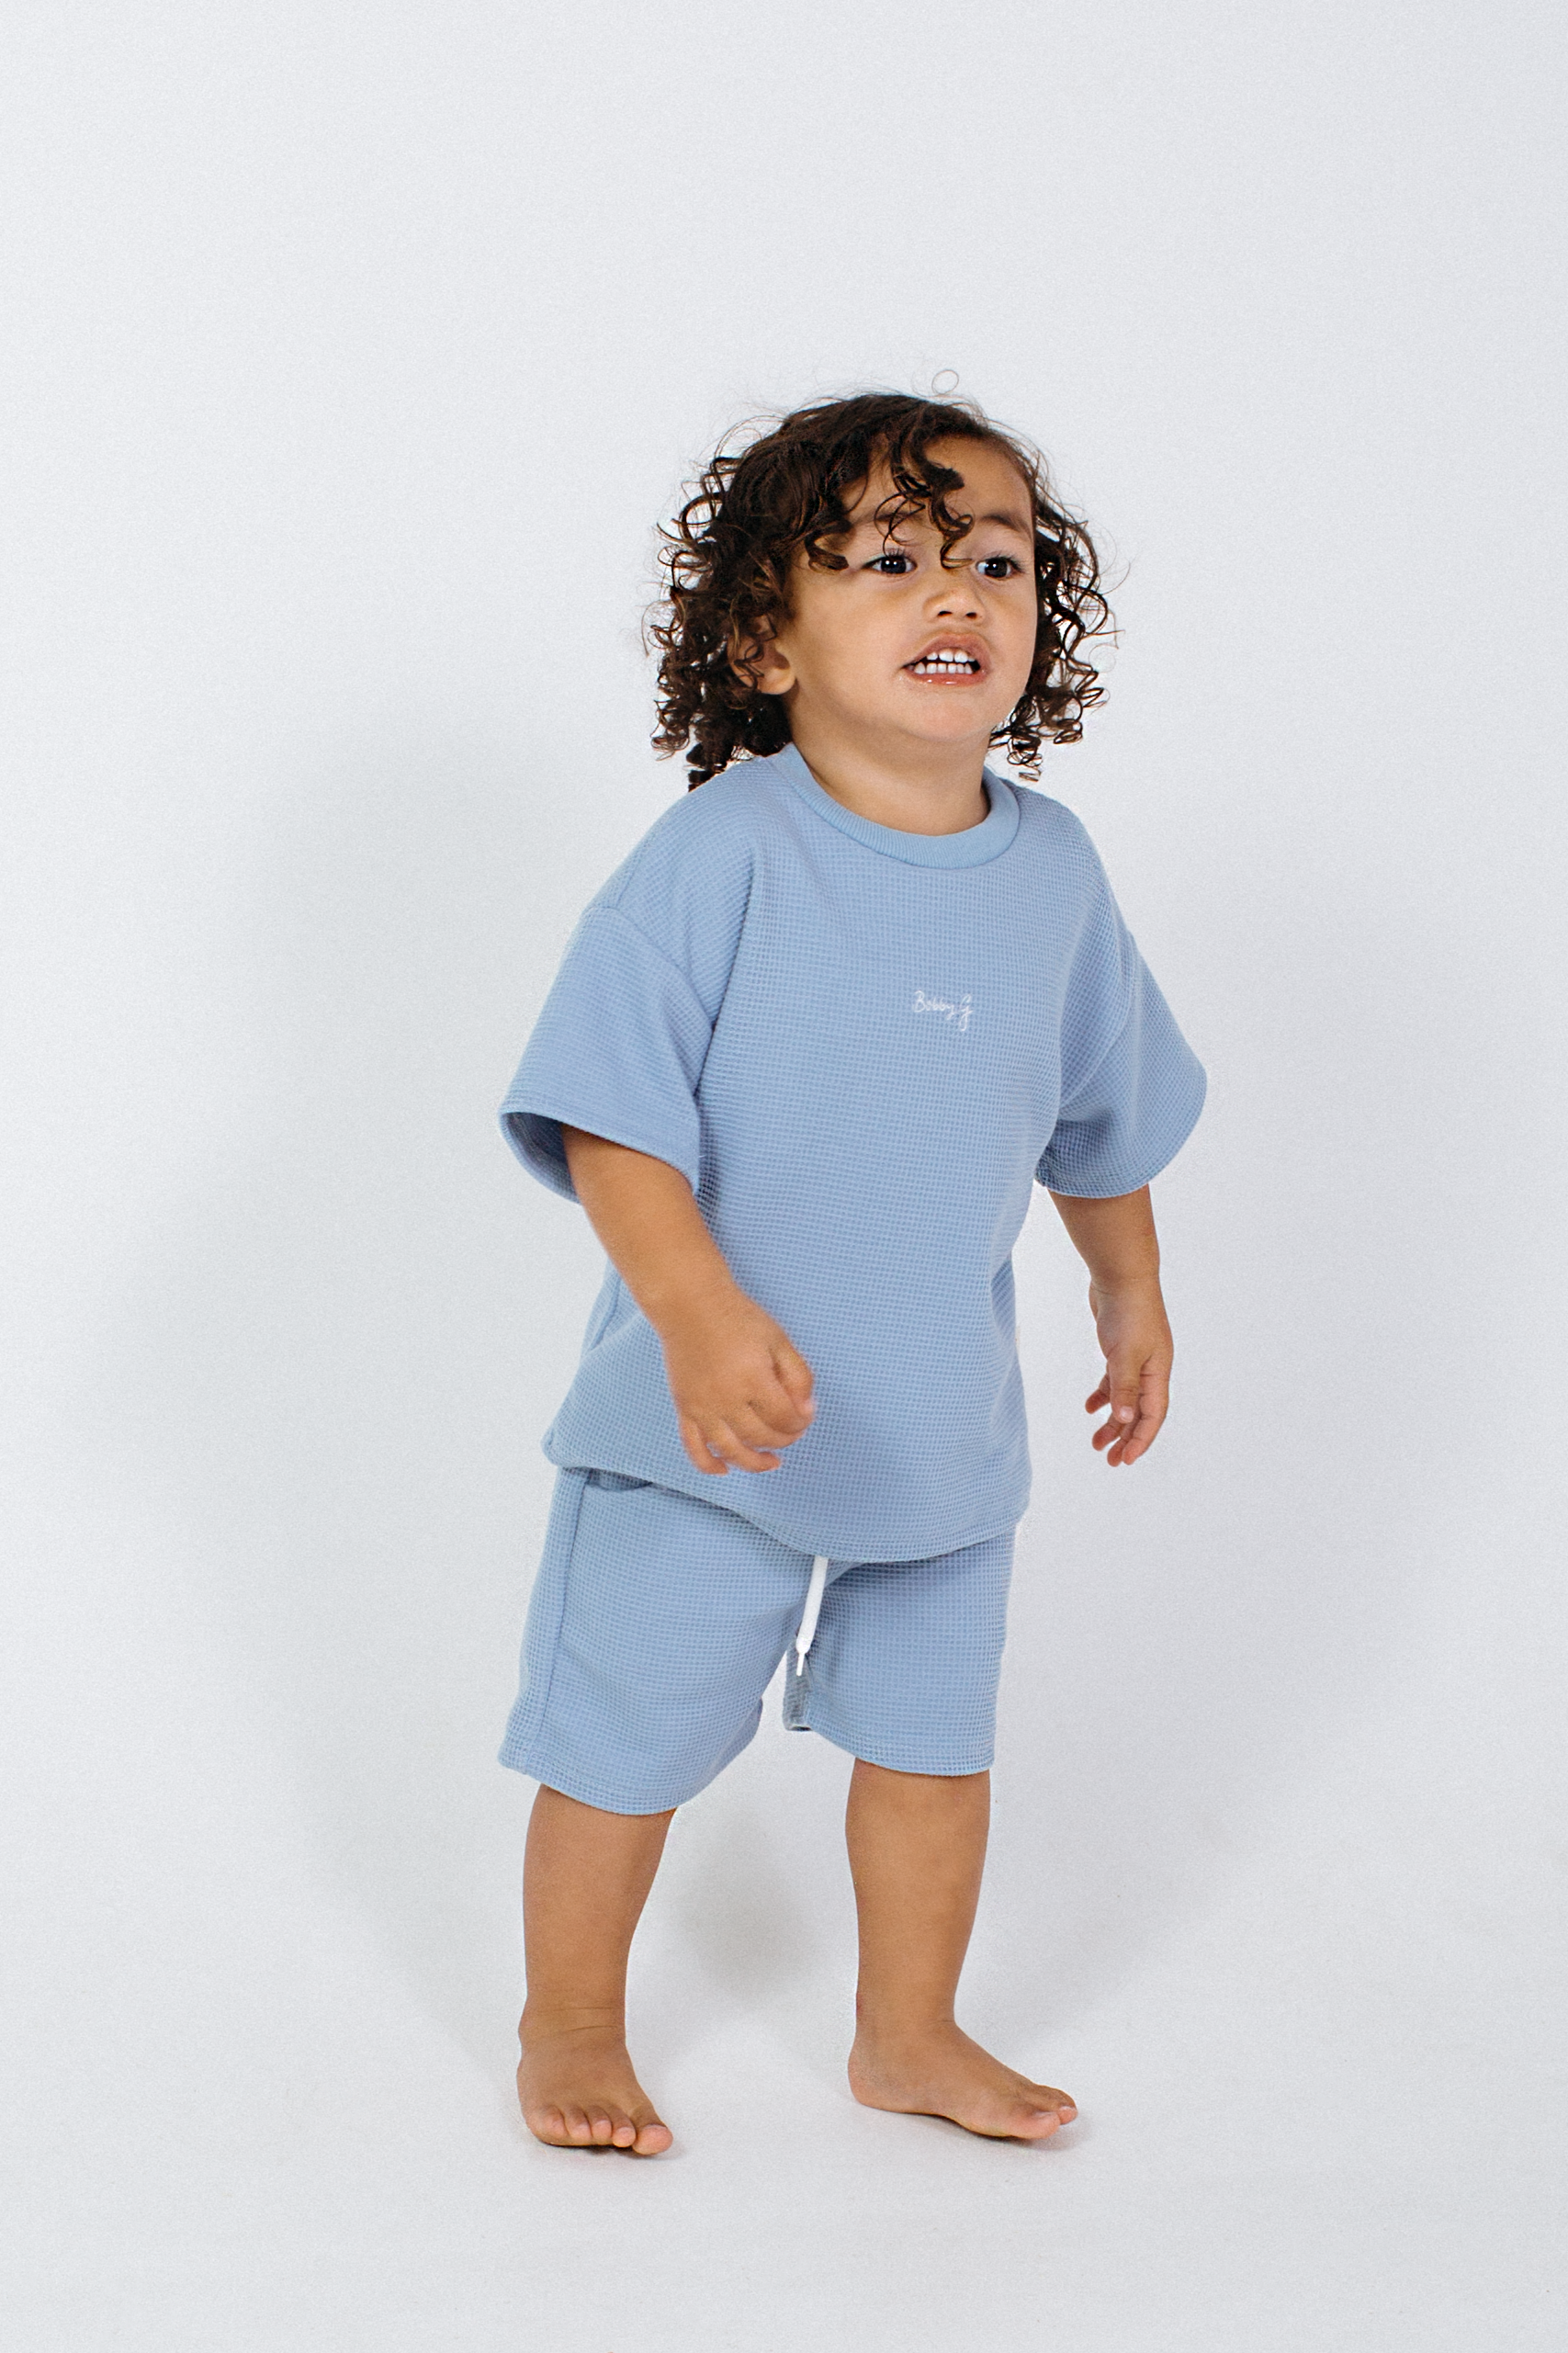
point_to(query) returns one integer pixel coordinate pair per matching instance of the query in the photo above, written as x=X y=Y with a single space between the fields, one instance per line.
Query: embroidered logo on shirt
x=950 y=1011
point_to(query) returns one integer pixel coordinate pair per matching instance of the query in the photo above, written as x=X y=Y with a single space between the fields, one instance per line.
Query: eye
x=892 y=564
x=999 y=567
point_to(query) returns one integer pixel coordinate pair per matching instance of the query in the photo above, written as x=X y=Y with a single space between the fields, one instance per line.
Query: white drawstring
x=808 y=1616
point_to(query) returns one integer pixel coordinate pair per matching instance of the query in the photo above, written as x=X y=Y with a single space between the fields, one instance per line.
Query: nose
x=956 y=596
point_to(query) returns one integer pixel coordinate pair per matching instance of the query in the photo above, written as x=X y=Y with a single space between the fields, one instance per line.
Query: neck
x=914 y=788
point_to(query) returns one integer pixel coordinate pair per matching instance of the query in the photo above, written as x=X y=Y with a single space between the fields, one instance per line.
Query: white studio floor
x=1317 y=2105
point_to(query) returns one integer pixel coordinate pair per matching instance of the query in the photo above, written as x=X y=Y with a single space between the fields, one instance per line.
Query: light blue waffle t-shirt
x=861 y=1047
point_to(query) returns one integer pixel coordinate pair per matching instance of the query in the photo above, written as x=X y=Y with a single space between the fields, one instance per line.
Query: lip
x=950 y=642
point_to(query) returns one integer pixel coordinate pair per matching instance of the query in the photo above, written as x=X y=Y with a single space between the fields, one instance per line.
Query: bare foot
x=945 y=2074
x=577 y=2091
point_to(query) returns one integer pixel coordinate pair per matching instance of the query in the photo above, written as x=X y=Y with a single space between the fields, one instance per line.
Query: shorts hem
x=891 y=1764
x=596 y=1794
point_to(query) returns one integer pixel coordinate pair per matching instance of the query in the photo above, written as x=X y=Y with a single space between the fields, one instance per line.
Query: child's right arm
x=742 y=1391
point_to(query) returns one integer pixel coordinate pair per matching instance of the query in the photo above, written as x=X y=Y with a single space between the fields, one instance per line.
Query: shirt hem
x=820 y=1542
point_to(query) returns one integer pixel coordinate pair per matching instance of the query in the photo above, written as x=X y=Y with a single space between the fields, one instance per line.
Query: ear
x=761 y=661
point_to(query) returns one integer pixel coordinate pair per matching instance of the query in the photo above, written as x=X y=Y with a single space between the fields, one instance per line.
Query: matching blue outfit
x=861 y=1047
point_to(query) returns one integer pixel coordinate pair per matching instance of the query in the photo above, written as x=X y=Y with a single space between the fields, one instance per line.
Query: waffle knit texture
x=861 y=1047
x=657 y=1621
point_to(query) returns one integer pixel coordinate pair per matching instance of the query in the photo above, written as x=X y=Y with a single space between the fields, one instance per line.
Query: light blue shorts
x=659 y=1619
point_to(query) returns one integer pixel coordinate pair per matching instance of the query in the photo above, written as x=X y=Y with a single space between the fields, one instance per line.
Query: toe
x=1048 y=2114
x=546 y=2124
x=1026 y=2124
x=603 y=2127
x=652 y=2138
x=578 y=2127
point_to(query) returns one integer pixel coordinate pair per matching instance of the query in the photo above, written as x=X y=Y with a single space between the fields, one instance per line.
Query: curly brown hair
x=728 y=555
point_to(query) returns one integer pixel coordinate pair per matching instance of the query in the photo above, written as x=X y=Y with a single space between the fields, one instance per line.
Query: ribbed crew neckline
x=974 y=847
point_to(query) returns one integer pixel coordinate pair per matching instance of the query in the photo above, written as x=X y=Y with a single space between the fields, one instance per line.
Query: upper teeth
x=945 y=659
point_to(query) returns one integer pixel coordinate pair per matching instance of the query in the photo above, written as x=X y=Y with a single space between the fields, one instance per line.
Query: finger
x=796 y=1377
x=774 y=1406
x=726 y=1440
x=1120 y=1389
x=1126 y=1440
x=1097 y=1398
x=1111 y=1439
x=1146 y=1428
x=1125 y=1379
x=701 y=1453
x=1113 y=1436
x=758 y=1427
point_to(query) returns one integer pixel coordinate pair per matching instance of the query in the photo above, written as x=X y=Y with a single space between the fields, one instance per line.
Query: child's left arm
x=1116 y=1242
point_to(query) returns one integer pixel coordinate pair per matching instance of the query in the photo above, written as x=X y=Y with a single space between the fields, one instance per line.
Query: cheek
x=836 y=638
x=865 y=646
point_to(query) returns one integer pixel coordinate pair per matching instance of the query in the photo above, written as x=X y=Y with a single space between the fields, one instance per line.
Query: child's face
x=860 y=649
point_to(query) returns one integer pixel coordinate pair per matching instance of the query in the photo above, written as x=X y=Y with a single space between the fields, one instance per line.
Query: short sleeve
x=1133 y=1088
x=618 y=1050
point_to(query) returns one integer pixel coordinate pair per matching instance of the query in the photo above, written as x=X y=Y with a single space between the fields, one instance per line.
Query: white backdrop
x=353 y=352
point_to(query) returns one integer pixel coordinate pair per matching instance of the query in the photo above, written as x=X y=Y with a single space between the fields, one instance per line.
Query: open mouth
x=944 y=662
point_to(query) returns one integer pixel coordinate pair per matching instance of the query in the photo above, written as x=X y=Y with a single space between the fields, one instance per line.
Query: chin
x=949 y=726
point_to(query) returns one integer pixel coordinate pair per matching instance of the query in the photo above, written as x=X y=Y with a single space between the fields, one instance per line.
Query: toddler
x=809 y=1052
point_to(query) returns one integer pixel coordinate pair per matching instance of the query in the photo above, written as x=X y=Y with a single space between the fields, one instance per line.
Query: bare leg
x=585 y=1880
x=917 y=1849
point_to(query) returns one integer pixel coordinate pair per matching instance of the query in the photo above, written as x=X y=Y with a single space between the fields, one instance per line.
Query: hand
x=742 y=1390
x=1133 y=1331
